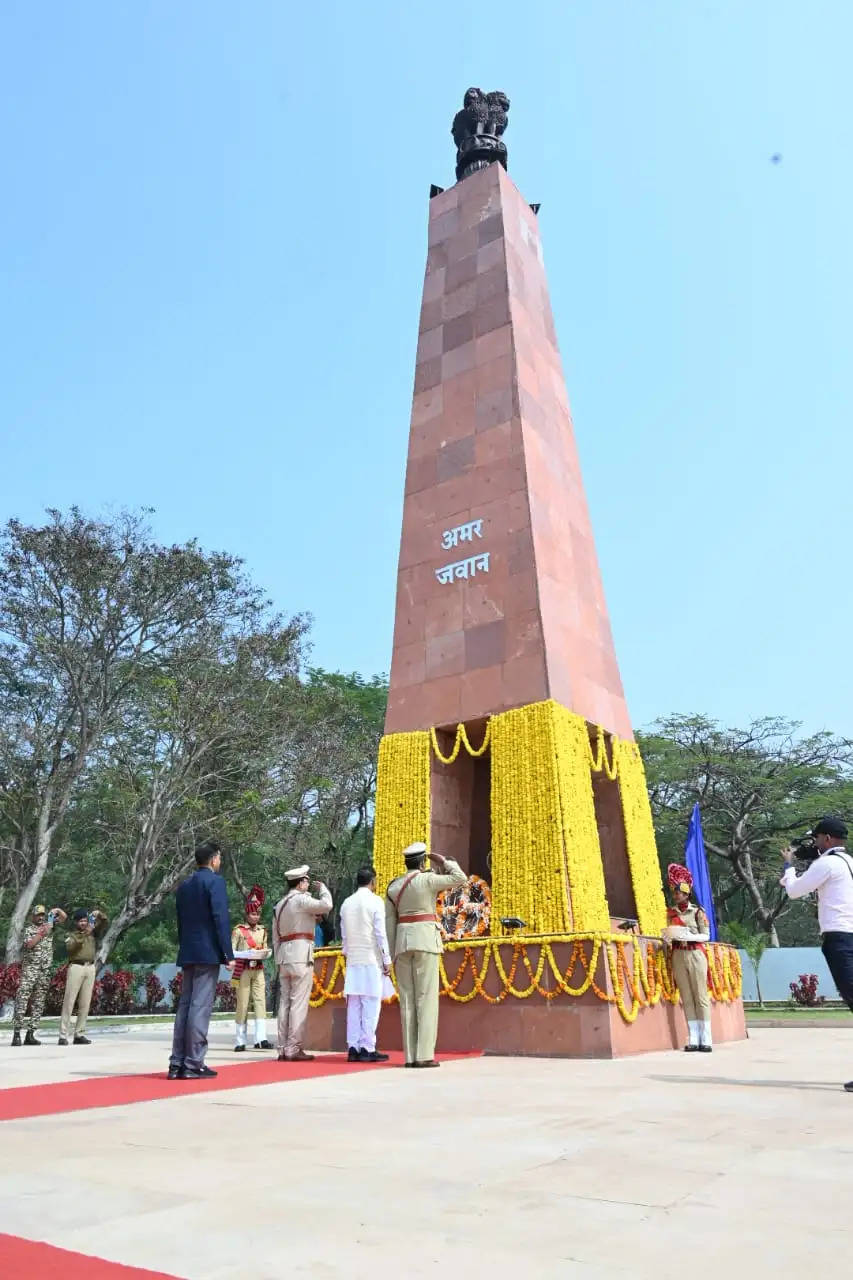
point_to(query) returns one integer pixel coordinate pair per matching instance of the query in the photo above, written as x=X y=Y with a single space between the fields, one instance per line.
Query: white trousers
x=362 y=1021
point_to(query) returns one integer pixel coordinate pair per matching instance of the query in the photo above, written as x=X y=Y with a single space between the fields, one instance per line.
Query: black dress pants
x=838 y=952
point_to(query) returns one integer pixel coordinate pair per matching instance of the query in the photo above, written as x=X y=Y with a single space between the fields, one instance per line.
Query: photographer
x=830 y=875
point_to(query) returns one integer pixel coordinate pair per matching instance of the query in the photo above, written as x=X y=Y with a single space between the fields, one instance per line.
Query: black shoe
x=352 y=1056
x=410 y=1064
x=691 y=1048
x=175 y=1072
x=705 y=1048
x=190 y=1073
x=432 y=1063
x=848 y=1088
x=263 y=1044
x=363 y=1055
x=30 y=1038
x=82 y=1040
x=62 y=1040
x=376 y=1056
x=239 y=1048
x=16 y=1040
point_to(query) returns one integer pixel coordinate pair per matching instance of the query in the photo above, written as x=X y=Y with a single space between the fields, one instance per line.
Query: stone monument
x=508 y=740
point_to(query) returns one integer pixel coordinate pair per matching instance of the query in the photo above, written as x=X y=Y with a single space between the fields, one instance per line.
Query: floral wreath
x=465 y=912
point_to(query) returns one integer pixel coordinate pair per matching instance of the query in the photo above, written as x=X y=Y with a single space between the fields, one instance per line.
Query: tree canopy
x=150 y=696
x=757 y=787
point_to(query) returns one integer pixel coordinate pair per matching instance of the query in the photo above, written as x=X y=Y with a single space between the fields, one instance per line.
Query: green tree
x=194 y=759
x=91 y=611
x=323 y=785
x=756 y=787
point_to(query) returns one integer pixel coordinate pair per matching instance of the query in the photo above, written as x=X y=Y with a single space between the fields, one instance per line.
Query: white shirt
x=833 y=881
x=365 y=944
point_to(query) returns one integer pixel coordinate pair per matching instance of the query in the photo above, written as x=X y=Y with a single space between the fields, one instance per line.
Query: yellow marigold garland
x=528 y=856
x=598 y=758
x=580 y=828
x=461 y=740
x=640 y=838
x=546 y=858
x=638 y=983
x=402 y=801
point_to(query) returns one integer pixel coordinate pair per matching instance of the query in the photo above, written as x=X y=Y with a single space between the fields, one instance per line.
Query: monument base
x=611 y=1015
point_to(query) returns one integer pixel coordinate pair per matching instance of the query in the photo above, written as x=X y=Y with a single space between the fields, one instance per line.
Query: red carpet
x=32 y=1260
x=117 y=1091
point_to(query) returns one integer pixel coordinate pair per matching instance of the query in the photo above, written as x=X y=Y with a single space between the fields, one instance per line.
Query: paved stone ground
x=736 y=1163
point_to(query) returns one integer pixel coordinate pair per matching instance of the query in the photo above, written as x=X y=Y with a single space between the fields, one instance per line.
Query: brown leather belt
x=290 y=937
x=688 y=946
x=416 y=919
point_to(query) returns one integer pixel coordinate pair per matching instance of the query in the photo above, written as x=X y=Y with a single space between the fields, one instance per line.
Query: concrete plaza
x=730 y=1164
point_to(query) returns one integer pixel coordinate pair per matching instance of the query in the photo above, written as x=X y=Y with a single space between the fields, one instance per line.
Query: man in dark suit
x=204 y=944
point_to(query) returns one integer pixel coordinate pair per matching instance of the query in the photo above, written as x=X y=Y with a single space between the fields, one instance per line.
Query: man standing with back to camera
x=415 y=942
x=830 y=875
x=204 y=945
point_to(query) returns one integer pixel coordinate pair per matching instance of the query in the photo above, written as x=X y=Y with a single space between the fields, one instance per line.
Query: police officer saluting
x=830 y=875
x=415 y=943
x=36 y=964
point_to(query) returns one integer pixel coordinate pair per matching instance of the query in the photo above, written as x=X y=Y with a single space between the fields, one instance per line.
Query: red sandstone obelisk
x=501 y=627
x=499 y=595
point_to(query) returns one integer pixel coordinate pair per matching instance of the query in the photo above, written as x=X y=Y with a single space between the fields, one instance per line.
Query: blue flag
x=697 y=865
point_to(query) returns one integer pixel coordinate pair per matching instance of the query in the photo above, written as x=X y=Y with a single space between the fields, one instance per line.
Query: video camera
x=805 y=848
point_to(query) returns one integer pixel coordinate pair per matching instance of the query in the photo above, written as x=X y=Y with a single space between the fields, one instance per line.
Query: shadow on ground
x=748 y=1084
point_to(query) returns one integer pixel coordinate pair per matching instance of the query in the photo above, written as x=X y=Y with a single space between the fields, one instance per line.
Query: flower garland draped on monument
x=546 y=858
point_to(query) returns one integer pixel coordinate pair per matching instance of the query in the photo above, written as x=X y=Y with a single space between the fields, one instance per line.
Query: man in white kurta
x=365 y=947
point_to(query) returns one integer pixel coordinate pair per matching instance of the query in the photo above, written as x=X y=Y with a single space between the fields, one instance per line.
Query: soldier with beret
x=415 y=942
x=294 y=920
x=687 y=930
x=36 y=965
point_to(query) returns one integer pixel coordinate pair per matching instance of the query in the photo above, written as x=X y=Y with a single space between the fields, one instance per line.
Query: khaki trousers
x=79 y=984
x=690 y=970
x=417 y=985
x=252 y=988
x=294 y=992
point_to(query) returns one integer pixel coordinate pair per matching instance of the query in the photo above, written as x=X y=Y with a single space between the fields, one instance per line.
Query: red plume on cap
x=256 y=898
x=679 y=877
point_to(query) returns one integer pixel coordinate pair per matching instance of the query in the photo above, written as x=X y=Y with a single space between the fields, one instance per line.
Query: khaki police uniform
x=690 y=971
x=251 y=984
x=415 y=943
x=80 y=978
x=294 y=921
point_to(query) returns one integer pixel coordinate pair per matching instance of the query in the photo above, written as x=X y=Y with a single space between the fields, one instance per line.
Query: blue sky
x=213 y=238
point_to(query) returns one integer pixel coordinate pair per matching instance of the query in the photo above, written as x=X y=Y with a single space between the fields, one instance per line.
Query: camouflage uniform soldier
x=36 y=964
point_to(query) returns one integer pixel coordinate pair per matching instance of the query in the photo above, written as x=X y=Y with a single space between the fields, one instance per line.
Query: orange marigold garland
x=639 y=980
x=466 y=911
